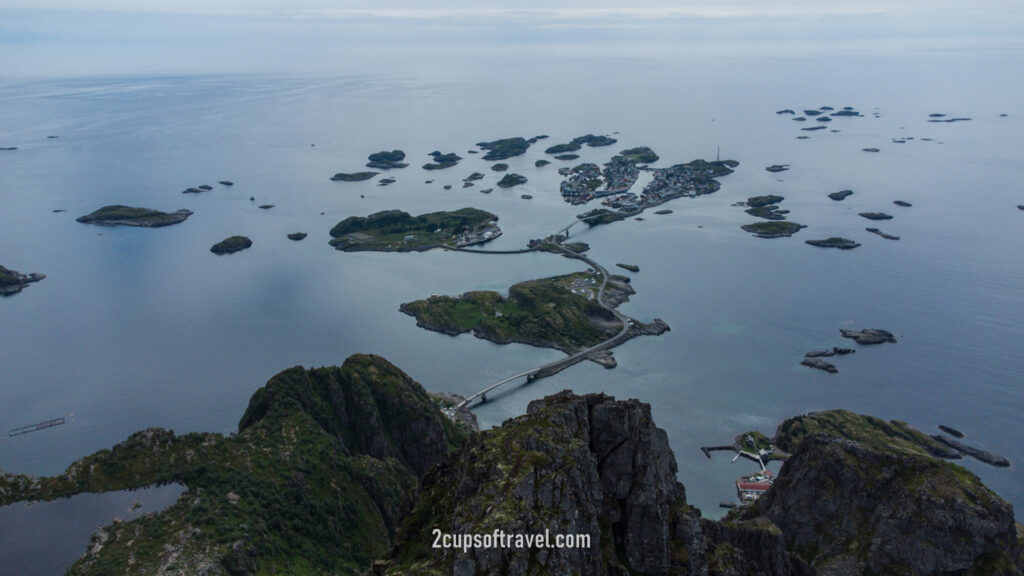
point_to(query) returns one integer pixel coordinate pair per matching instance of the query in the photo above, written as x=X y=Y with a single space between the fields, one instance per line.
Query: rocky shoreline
x=12 y=281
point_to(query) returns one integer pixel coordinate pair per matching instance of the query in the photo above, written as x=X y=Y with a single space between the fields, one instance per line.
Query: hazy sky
x=284 y=8
x=55 y=37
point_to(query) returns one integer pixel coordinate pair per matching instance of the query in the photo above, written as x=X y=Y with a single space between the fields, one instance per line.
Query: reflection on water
x=45 y=538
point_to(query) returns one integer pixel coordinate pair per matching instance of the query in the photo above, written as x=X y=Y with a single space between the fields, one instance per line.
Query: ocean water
x=134 y=328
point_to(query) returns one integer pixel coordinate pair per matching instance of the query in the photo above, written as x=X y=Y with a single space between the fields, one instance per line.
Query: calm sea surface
x=134 y=328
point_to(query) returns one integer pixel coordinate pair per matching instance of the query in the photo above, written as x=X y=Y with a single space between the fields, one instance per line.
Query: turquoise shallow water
x=135 y=328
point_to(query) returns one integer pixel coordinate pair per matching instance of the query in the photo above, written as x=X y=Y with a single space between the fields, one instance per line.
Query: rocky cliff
x=334 y=468
x=858 y=496
x=874 y=505
x=572 y=466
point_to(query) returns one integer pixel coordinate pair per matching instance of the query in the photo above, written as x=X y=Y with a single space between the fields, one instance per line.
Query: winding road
x=557 y=365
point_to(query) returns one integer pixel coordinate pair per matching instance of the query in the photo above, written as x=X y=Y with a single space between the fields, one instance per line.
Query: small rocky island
x=818 y=363
x=297 y=236
x=505 y=148
x=118 y=215
x=579 y=141
x=766 y=207
x=398 y=231
x=353 y=177
x=878 y=232
x=442 y=161
x=834 y=242
x=840 y=196
x=385 y=160
x=11 y=281
x=511 y=179
x=774 y=229
x=868 y=336
x=230 y=245
x=876 y=215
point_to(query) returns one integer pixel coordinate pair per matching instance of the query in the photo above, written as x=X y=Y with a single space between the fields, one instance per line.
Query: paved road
x=578 y=356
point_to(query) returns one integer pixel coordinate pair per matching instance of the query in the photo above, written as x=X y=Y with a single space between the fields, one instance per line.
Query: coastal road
x=557 y=365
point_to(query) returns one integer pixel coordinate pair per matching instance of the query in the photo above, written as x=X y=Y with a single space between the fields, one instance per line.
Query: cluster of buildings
x=750 y=488
x=620 y=176
x=679 y=180
x=485 y=233
x=628 y=202
x=586 y=180
x=582 y=184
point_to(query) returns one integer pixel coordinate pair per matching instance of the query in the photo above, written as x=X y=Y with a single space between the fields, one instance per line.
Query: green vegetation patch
x=761 y=201
x=553 y=312
x=600 y=216
x=777 y=229
x=894 y=436
x=505 y=148
x=511 y=179
x=119 y=215
x=395 y=230
x=353 y=176
x=579 y=141
x=638 y=155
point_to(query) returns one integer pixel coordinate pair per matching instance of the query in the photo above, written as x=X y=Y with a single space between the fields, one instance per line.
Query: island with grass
x=398 y=231
x=505 y=148
x=353 y=176
x=118 y=215
x=561 y=312
x=772 y=229
x=231 y=244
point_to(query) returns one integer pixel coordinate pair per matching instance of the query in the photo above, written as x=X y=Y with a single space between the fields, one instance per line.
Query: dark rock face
x=878 y=232
x=888 y=513
x=572 y=465
x=868 y=336
x=976 y=453
x=749 y=548
x=813 y=362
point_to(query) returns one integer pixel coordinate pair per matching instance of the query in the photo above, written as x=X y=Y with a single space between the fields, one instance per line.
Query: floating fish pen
x=36 y=427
